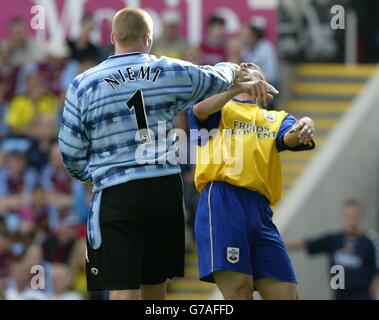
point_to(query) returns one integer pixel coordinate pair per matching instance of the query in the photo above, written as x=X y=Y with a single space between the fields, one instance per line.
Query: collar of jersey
x=243 y=101
x=125 y=55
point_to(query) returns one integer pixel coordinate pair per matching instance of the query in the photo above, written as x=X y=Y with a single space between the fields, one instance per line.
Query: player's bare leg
x=271 y=289
x=154 y=292
x=124 y=295
x=234 y=285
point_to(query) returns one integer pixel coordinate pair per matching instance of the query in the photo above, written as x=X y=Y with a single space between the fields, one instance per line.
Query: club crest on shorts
x=233 y=254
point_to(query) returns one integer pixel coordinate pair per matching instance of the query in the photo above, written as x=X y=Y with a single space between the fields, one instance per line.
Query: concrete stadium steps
x=322 y=88
x=324 y=92
x=341 y=71
x=189 y=287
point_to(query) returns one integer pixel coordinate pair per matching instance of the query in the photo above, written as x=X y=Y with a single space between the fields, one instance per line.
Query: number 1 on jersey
x=137 y=103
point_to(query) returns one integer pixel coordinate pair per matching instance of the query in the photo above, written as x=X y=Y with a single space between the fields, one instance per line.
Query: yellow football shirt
x=242 y=151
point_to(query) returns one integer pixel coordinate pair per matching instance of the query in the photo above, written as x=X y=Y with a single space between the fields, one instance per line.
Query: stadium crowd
x=42 y=210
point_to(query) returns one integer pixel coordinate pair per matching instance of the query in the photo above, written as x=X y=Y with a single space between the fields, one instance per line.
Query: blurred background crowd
x=42 y=210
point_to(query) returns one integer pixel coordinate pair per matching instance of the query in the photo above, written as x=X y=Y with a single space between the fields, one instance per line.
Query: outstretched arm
x=207 y=81
x=299 y=244
x=204 y=109
x=319 y=244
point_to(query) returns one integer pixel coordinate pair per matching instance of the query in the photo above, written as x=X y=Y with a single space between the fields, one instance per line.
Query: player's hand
x=305 y=128
x=261 y=92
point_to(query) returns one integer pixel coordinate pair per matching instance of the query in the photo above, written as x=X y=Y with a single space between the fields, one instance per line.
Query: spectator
x=58 y=247
x=28 y=112
x=171 y=44
x=9 y=71
x=352 y=248
x=259 y=50
x=17 y=182
x=24 y=49
x=56 y=182
x=21 y=289
x=7 y=257
x=38 y=214
x=3 y=111
x=61 y=279
x=213 y=47
x=78 y=268
x=57 y=70
x=82 y=48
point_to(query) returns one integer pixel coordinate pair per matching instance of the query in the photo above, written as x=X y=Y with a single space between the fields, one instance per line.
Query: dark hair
x=216 y=20
x=352 y=203
x=259 y=33
x=17 y=20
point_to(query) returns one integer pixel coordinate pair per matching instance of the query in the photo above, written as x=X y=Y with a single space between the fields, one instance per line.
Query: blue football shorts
x=235 y=232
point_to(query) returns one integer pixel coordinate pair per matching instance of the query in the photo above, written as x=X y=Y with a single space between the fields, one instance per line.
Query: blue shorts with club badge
x=235 y=232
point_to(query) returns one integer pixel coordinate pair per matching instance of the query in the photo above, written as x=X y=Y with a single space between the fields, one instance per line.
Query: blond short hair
x=130 y=24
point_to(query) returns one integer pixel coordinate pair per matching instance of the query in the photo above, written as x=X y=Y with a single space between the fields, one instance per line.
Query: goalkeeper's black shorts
x=142 y=235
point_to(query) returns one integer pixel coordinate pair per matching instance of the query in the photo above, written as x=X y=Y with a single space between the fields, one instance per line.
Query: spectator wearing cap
x=25 y=50
x=213 y=48
x=259 y=50
x=17 y=182
x=82 y=49
x=170 y=44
